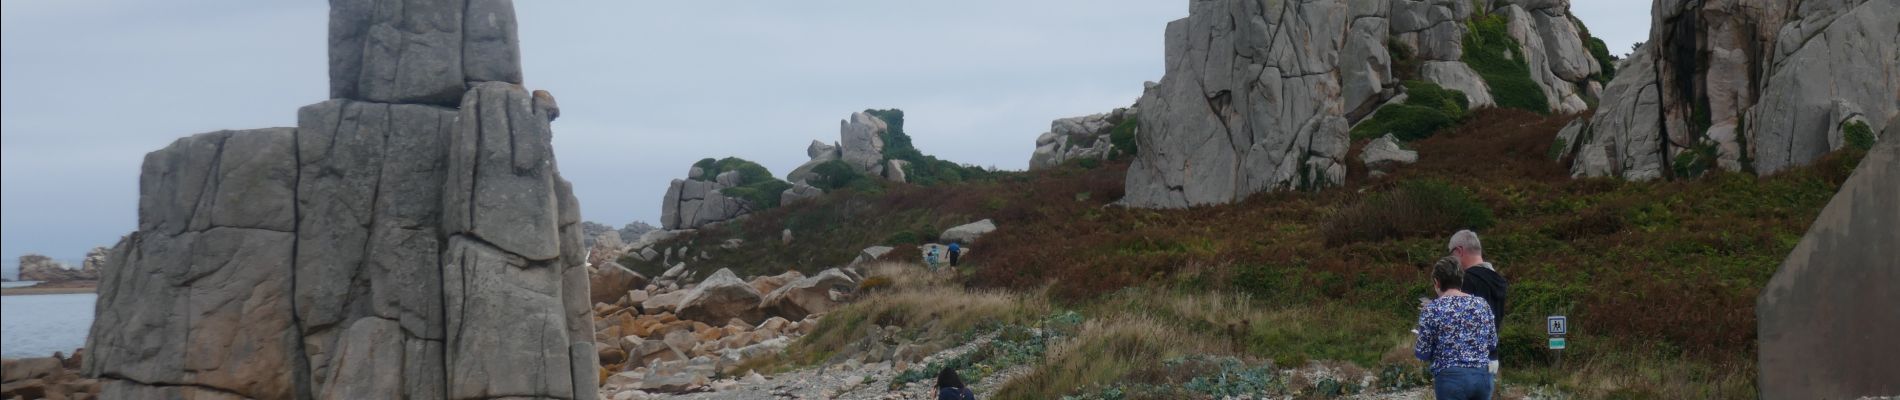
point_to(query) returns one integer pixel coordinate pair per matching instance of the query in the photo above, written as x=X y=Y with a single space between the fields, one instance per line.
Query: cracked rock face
x=1077 y=138
x=1252 y=101
x=1776 y=80
x=389 y=246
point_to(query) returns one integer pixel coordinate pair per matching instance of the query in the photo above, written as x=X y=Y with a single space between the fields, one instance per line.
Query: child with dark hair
x=950 y=387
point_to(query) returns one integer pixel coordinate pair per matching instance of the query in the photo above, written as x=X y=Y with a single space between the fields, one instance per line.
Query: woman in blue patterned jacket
x=1455 y=334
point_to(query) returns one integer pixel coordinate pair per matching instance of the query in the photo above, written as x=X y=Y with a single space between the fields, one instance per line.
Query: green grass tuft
x=1858 y=135
x=1427 y=108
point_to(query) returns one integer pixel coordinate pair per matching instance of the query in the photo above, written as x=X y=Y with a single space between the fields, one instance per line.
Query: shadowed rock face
x=389 y=246
x=1825 y=320
x=1767 y=84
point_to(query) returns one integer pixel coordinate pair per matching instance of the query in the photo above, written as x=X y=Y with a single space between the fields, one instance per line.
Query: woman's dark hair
x=948 y=379
x=1447 y=273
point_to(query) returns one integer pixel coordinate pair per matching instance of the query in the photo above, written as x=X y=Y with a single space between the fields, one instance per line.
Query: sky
x=87 y=87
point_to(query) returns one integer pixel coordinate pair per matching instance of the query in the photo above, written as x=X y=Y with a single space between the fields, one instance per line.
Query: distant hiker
x=956 y=250
x=931 y=256
x=1481 y=279
x=950 y=387
x=1455 y=335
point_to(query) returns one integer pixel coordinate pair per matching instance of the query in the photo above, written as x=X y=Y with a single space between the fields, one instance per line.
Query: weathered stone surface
x=694 y=203
x=1775 y=81
x=1821 y=316
x=406 y=51
x=1625 y=137
x=429 y=252
x=968 y=233
x=861 y=141
x=1530 y=33
x=1384 y=154
x=501 y=188
x=1247 y=103
x=1077 y=138
x=1456 y=75
x=720 y=298
x=820 y=153
x=610 y=281
x=807 y=296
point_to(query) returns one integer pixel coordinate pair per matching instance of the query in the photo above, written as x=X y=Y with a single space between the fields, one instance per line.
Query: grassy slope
x=1659 y=278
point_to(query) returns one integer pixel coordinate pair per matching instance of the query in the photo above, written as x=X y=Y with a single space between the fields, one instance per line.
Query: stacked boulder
x=1754 y=85
x=1261 y=96
x=53 y=377
x=674 y=336
x=410 y=238
x=697 y=201
x=1078 y=138
x=860 y=145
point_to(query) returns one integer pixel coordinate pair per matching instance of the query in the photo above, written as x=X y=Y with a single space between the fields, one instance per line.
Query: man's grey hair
x=1466 y=239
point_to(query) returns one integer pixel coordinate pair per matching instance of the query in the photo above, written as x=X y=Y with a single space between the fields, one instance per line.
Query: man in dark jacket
x=1482 y=280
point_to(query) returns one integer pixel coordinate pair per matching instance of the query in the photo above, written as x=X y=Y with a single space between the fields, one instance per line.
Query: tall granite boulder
x=1252 y=100
x=389 y=246
x=1825 y=320
x=1762 y=85
x=693 y=203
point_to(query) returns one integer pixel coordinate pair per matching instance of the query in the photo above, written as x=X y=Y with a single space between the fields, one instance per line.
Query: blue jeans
x=1462 y=384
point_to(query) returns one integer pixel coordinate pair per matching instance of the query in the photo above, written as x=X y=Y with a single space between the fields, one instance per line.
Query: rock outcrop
x=969 y=232
x=1078 y=138
x=860 y=145
x=698 y=201
x=1384 y=154
x=1261 y=96
x=1744 y=85
x=410 y=238
x=1823 y=316
x=35 y=267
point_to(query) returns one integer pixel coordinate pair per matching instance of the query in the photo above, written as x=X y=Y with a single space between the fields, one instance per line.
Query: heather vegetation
x=1659 y=278
x=1499 y=59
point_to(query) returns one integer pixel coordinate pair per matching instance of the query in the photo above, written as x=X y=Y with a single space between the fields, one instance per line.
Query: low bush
x=1122 y=137
x=1420 y=207
x=1427 y=108
x=1857 y=135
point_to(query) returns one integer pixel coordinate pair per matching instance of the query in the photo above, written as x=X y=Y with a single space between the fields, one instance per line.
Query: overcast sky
x=646 y=88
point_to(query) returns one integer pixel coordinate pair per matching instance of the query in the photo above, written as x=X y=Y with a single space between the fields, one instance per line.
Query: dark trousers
x=1462 y=383
x=953 y=257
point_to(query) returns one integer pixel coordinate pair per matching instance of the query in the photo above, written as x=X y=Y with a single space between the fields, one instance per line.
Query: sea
x=38 y=325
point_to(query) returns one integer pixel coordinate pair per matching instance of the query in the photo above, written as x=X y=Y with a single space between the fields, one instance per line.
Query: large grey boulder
x=1776 y=84
x=807 y=296
x=420 y=51
x=720 y=298
x=1549 y=44
x=1456 y=75
x=609 y=281
x=389 y=246
x=967 y=233
x=861 y=142
x=1823 y=320
x=1384 y=154
x=820 y=153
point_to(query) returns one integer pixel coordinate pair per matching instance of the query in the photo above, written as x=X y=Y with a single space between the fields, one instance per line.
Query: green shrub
x=1490 y=50
x=1858 y=135
x=756 y=186
x=924 y=170
x=762 y=195
x=1122 y=137
x=1427 y=108
x=1599 y=51
x=837 y=174
x=1695 y=161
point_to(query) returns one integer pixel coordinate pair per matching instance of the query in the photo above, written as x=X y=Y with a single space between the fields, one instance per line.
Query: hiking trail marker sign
x=1558 y=325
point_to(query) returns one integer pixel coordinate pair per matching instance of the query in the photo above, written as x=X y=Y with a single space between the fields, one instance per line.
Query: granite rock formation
x=860 y=145
x=1077 y=138
x=1822 y=319
x=697 y=201
x=410 y=238
x=1744 y=85
x=1260 y=96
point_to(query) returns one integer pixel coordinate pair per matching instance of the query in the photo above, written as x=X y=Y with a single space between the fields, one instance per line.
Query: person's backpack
x=955 y=393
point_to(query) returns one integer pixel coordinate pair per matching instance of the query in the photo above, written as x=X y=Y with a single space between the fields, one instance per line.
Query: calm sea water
x=38 y=325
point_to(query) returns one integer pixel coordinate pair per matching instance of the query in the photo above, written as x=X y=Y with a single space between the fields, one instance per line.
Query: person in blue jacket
x=956 y=249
